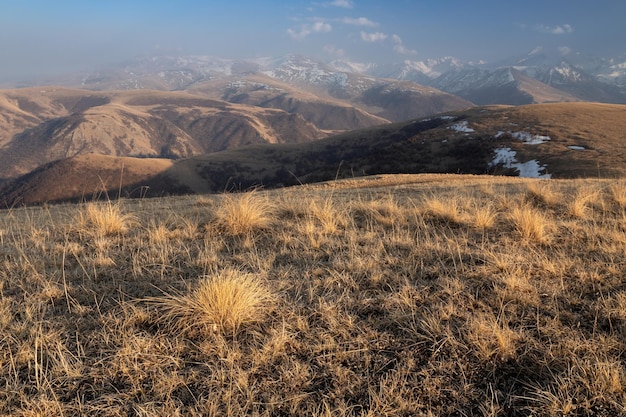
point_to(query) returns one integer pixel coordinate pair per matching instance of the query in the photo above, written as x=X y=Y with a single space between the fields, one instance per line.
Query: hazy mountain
x=565 y=140
x=501 y=86
x=582 y=77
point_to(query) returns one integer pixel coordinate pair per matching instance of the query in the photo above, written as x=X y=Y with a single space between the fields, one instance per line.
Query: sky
x=44 y=37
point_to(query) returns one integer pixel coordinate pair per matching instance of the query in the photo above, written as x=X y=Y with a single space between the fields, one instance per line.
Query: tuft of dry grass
x=104 y=219
x=543 y=194
x=219 y=303
x=617 y=192
x=243 y=213
x=582 y=202
x=484 y=216
x=492 y=338
x=444 y=209
x=531 y=224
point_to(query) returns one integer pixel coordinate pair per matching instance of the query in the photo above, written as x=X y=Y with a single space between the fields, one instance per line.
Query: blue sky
x=42 y=36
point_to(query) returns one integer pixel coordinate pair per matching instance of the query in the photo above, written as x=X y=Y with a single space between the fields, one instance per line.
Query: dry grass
x=531 y=224
x=242 y=214
x=104 y=219
x=471 y=297
x=220 y=303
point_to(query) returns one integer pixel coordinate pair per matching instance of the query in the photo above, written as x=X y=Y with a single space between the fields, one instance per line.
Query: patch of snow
x=446 y=117
x=577 y=148
x=504 y=156
x=461 y=127
x=528 y=169
x=530 y=139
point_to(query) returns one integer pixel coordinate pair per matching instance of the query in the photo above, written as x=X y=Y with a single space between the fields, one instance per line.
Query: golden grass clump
x=582 y=202
x=531 y=224
x=543 y=194
x=444 y=209
x=484 y=216
x=326 y=215
x=617 y=191
x=241 y=214
x=105 y=219
x=220 y=303
x=492 y=338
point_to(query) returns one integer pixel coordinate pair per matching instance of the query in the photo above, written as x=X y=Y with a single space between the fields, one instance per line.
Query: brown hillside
x=262 y=91
x=42 y=126
x=566 y=140
x=86 y=177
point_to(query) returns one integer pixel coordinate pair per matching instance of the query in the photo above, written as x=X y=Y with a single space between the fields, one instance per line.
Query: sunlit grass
x=422 y=299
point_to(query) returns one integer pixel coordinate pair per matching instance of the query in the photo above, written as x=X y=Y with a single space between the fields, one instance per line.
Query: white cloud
x=373 y=37
x=401 y=49
x=332 y=50
x=361 y=21
x=565 y=50
x=555 y=30
x=306 y=30
x=346 y=4
x=321 y=27
x=299 y=34
x=399 y=46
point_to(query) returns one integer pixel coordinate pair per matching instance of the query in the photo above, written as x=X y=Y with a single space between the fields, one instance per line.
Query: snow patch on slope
x=461 y=127
x=529 y=138
x=529 y=169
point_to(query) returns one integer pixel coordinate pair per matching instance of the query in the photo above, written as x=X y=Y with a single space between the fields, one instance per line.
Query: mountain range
x=576 y=76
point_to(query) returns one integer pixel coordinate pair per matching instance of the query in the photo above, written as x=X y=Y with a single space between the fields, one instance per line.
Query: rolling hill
x=560 y=140
x=41 y=126
x=44 y=124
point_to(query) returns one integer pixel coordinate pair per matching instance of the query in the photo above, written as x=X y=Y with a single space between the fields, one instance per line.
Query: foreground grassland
x=397 y=297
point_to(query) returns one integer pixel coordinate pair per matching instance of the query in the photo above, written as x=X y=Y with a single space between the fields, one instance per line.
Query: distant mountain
x=563 y=74
x=421 y=71
x=564 y=140
x=581 y=77
x=500 y=86
x=386 y=98
x=259 y=90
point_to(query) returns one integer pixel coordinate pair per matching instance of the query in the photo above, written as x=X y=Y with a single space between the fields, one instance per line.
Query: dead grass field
x=388 y=296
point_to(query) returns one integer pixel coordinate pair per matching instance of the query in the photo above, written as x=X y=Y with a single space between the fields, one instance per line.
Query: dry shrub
x=242 y=214
x=220 y=303
x=105 y=219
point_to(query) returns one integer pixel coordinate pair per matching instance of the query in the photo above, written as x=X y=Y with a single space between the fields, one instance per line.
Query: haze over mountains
x=563 y=75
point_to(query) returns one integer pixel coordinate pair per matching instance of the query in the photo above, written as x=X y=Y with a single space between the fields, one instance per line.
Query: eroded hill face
x=567 y=140
x=44 y=125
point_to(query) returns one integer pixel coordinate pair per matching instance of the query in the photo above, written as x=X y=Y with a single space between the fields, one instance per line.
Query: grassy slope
x=394 y=295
